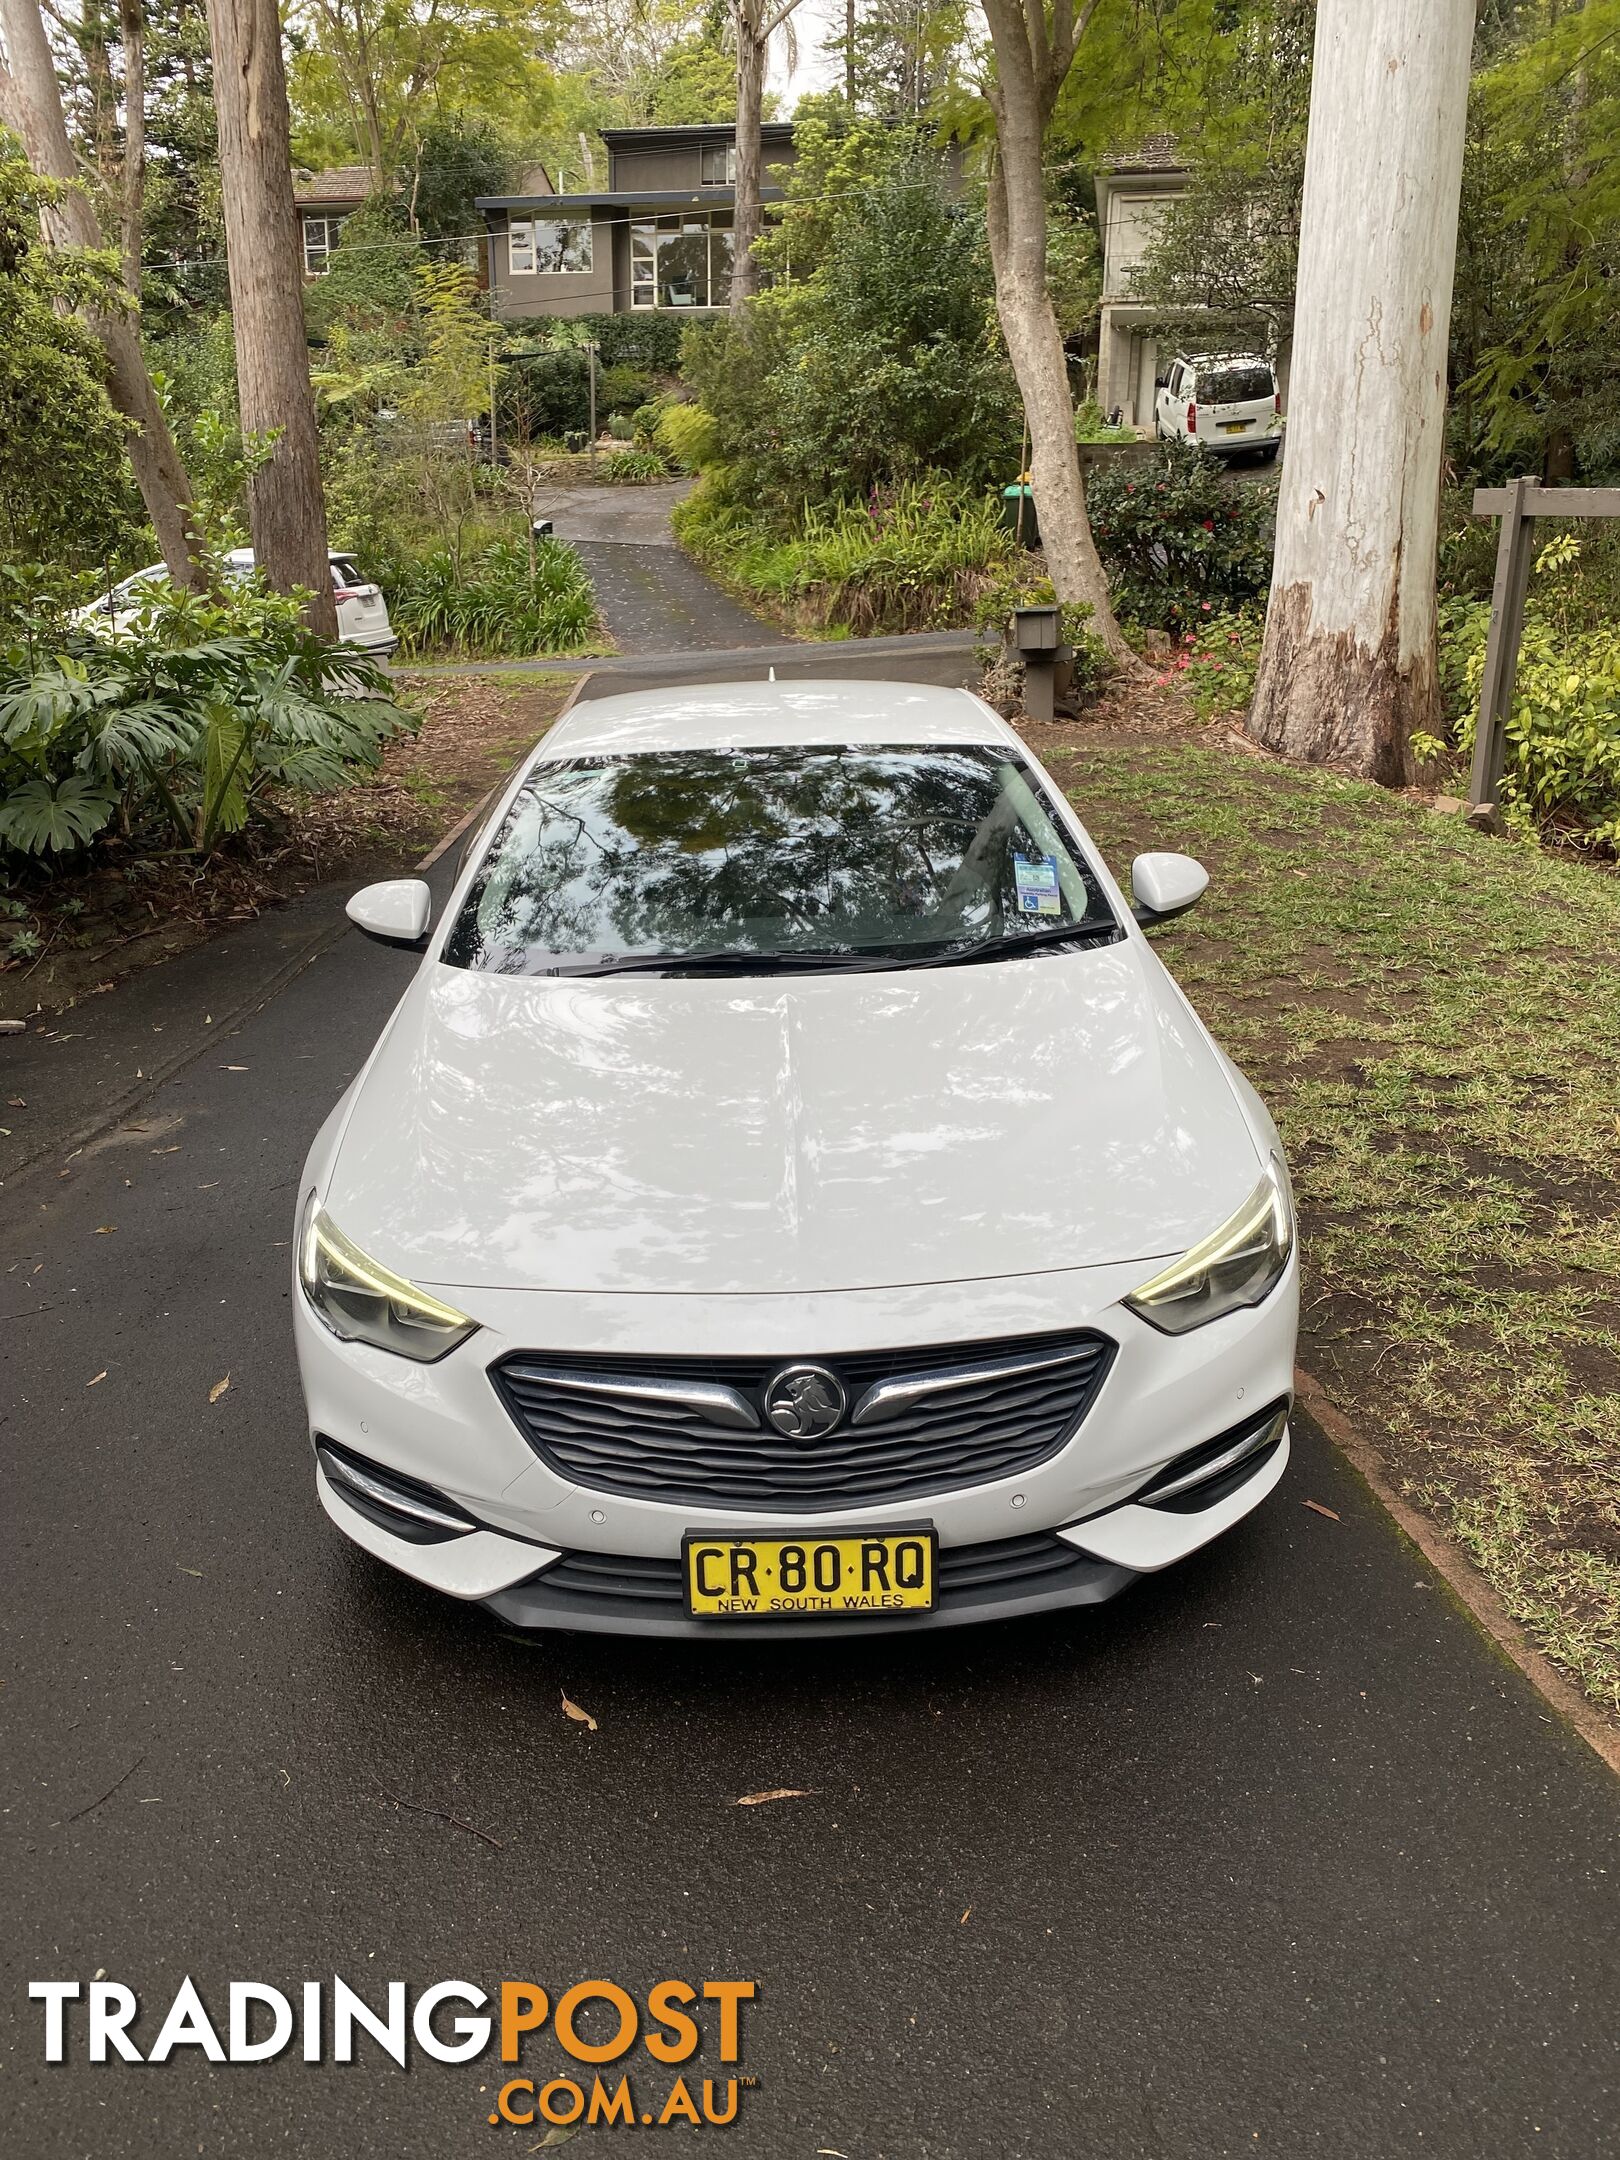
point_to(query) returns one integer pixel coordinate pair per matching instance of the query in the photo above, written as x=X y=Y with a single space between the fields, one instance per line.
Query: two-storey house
x=657 y=236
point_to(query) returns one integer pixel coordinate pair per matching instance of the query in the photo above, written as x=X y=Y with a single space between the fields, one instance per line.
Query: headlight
x=363 y=1302
x=1239 y=1264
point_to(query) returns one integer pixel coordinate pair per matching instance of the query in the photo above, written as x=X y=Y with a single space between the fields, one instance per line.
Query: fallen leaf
x=16 y=1102
x=780 y=1792
x=964 y=1919
x=579 y=1716
x=167 y=1150
x=218 y=1388
x=558 y=2134
x=1317 y=1508
x=99 y=1376
x=235 y=1068
x=106 y=1229
x=197 y=1571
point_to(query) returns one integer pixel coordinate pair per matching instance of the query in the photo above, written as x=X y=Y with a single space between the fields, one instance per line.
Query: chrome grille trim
x=723 y=1404
x=961 y=1414
x=891 y=1396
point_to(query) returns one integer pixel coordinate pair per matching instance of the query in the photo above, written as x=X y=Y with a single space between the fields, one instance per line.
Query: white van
x=1225 y=402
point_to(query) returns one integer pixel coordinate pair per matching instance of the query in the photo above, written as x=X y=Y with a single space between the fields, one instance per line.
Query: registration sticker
x=1037 y=884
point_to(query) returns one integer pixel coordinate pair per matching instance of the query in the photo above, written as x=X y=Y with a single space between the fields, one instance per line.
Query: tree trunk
x=1347 y=671
x=1016 y=219
x=132 y=200
x=286 y=510
x=748 y=218
x=34 y=97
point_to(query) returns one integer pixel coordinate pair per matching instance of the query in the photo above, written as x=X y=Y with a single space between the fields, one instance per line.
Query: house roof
x=708 y=131
x=1153 y=154
x=337 y=184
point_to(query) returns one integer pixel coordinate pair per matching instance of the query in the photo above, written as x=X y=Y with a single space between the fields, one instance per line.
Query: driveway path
x=653 y=598
x=1271 y=1856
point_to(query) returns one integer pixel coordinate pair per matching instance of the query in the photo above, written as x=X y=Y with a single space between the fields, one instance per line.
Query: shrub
x=644 y=421
x=647 y=339
x=496 y=602
x=913 y=558
x=634 y=465
x=621 y=389
x=620 y=429
x=188 y=720
x=1221 y=658
x=545 y=393
x=686 y=433
x=1174 y=533
x=880 y=367
x=1561 y=769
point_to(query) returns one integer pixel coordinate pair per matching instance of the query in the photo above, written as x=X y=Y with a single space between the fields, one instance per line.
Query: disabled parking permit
x=1037 y=885
x=766 y=1578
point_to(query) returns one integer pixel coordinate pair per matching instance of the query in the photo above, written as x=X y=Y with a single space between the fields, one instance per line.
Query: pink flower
x=1204 y=604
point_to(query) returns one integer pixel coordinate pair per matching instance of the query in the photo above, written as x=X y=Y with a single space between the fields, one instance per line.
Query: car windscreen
x=1240 y=382
x=849 y=853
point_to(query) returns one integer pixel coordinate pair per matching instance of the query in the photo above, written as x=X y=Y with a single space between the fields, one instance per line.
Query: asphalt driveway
x=1272 y=1855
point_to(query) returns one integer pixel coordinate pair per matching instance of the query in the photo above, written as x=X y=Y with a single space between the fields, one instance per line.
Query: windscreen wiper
x=1090 y=930
x=703 y=963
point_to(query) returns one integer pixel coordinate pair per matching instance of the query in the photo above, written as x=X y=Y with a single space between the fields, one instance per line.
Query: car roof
x=1225 y=359
x=711 y=716
x=244 y=556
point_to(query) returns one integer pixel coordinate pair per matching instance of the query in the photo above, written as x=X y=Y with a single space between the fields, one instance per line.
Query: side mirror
x=1161 y=382
x=1165 y=885
x=396 y=912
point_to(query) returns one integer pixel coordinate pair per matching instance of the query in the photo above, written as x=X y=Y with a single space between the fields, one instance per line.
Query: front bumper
x=445 y=1427
x=1084 y=1563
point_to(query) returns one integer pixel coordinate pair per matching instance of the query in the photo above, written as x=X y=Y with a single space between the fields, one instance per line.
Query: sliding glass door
x=681 y=262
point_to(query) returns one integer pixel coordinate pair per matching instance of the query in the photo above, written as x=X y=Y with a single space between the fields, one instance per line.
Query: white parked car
x=791 y=1193
x=1225 y=402
x=362 y=612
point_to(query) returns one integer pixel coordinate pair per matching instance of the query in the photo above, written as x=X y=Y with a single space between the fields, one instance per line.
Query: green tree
x=1539 y=250
x=364 y=72
x=64 y=492
x=451 y=379
x=879 y=367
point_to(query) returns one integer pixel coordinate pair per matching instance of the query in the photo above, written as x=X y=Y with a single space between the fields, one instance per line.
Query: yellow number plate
x=773 y=1578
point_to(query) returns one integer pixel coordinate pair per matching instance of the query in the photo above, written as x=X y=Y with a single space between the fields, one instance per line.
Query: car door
x=1167 y=400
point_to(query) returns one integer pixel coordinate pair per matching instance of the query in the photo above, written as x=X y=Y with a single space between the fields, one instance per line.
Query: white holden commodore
x=791 y=1194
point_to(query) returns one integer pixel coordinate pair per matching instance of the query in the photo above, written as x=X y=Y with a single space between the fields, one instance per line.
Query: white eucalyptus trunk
x=1347 y=671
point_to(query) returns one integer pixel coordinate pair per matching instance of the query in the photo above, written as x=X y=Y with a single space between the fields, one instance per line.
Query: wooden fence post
x=1513 y=558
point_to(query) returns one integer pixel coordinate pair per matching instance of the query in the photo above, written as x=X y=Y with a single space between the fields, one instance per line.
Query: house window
x=538 y=247
x=320 y=238
x=718 y=166
x=681 y=262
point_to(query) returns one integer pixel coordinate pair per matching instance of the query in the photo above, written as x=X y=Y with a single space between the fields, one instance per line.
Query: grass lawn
x=1434 y=1020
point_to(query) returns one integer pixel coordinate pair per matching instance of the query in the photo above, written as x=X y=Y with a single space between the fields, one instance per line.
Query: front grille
x=693 y=1429
x=962 y=1572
